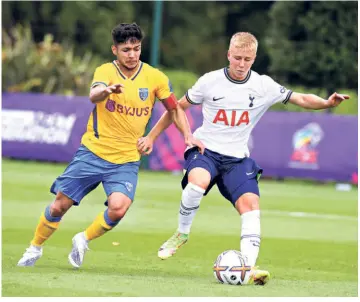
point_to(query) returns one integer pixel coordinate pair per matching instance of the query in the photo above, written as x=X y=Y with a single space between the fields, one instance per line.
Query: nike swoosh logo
x=250 y=173
x=216 y=99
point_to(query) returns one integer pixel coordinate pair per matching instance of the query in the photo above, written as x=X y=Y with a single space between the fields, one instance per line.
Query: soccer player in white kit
x=233 y=100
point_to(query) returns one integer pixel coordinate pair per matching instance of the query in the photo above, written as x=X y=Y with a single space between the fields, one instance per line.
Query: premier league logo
x=143 y=93
x=306 y=152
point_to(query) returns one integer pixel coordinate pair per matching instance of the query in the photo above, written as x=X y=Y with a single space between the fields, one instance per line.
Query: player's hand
x=145 y=145
x=336 y=98
x=192 y=142
x=116 y=88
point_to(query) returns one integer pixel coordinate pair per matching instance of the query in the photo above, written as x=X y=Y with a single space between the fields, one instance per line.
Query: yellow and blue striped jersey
x=117 y=123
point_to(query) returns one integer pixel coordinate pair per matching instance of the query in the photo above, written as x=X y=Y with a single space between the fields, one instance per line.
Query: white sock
x=191 y=197
x=250 y=235
x=35 y=247
x=83 y=235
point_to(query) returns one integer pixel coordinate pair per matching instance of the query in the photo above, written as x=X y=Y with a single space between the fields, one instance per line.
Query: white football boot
x=31 y=255
x=79 y=248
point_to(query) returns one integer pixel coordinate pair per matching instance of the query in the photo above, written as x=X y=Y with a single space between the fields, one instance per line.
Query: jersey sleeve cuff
x=189 y=100
x=98 y=83
x=287 y=97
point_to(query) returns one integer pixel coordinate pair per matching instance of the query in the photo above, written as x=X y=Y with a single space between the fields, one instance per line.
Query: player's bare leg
x=198 y=181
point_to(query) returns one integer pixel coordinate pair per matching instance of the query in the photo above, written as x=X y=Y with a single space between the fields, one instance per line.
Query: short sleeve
x=101 y=77
x=195 y=95
x=164 y=87
x=274 y=92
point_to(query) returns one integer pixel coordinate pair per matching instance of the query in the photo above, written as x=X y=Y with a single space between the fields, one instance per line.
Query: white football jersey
x=232 y=108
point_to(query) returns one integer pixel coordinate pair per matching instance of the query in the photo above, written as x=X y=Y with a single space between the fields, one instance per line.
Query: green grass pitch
x=309 y=240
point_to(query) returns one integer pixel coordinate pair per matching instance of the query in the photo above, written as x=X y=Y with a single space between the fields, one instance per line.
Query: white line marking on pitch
x=309 y=215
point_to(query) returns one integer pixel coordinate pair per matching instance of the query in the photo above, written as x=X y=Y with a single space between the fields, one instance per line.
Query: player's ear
x=114 y=50
x=228 y=55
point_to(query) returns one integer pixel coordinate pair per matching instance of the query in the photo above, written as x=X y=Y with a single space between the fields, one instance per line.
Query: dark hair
x=124 y=32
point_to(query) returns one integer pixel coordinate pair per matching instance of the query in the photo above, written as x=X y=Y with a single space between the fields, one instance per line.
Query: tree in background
x=46 y=67
x=85 y=24
x=195 y=35
x=309 y=44
x=314 y=43
x=253 y=17
x=90 y=23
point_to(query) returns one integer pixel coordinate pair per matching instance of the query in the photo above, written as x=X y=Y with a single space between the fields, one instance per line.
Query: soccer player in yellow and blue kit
x=124 y=93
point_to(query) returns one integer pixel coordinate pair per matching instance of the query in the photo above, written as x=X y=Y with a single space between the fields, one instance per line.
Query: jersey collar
x=124 y=76
x=236 y=81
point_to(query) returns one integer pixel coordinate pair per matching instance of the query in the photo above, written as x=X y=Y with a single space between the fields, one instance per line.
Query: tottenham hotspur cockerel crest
x=251 y=98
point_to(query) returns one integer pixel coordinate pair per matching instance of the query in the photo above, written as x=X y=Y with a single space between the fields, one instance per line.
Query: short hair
x=244 y=40
x=125 y=32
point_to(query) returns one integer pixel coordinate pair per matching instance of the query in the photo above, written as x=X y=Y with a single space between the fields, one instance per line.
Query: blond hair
x=244 y=40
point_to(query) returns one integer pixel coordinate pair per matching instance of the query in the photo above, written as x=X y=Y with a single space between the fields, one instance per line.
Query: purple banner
x=43 y=127
x=285 y=144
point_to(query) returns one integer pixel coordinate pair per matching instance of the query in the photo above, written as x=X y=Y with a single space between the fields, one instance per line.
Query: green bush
x=46 y=67
x=180 y=80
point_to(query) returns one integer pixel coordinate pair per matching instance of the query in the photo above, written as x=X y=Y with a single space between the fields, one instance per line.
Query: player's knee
x=199 y=177
x=200 y=183
x=118 y=206
x=60 y=206
x=247 y=202
x=117 y=213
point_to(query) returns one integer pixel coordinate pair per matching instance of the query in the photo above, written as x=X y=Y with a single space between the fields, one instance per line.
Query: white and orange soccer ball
x=231 y=267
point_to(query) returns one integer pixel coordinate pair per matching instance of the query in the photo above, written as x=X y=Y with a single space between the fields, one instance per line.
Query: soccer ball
x=231 y=267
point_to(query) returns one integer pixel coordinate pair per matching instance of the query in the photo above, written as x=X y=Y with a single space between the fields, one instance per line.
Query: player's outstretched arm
x=100 y=93
x=312 y=101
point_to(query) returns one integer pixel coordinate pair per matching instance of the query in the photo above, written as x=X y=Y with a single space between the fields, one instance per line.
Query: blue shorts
x=85 y=172
x=233 y=176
